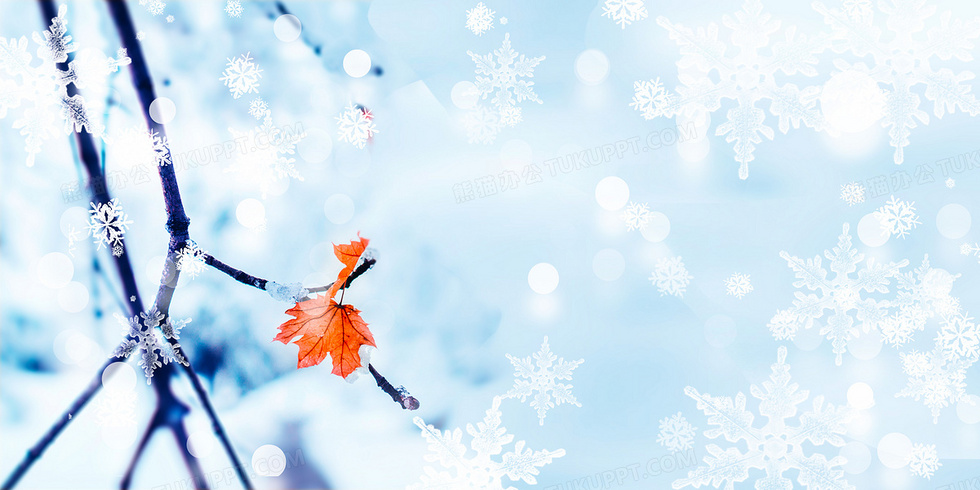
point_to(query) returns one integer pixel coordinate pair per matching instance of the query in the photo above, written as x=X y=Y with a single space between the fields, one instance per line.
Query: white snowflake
x=49 y=109
x=738 y=285
x=190 y=259
x=967 y=249
x=154 y=7
x=777 y=446
x=671 y=277
x=264 y=155
x=233 y=8
x=651 y=99
x=72 y=238
x=907 y=59
x=138 y=146
x=503 y=21
x=241 y=76
x=624 y=12
x=108 y=224
x=743 y=74
x=676 y=433
x=355 y=125
x=482 y=125
x=897 y=217
x=921 y=295
x=950 y=183
x=543 y=380
x=141 y=334
x=479 y=470
x=841 y=295
x=934 y=378
x=852 y=193
x=924 y=461
x=959 y=337
x=505 y=85
x=116 y=408
x=636 y=216
x=479 y=19
x=257 y=108
x=170 y=19
x=140 y=35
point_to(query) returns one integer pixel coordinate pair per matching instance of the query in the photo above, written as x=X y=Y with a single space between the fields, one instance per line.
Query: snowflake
x=776 y=447
x=950 y=183
x=241 y=76
x=897 y=217
x=190 y=259
x=132 y=299
x=72 y=238
x=266 y=160
x=233 y=8
x=50 y=109
x=137 y=146
x=842 y=294
x=108 y=224
x=671 y=277
x=676 y=433
x=140 y=35
x=852 y=193
x=480 y=470
x=482 y=125
x=907 y=60
x=170 y=19
x=959 y=338
x=154 y=7
x=636 y=216
x=141 y=333
x=116 y=408
x=505 y=85
x=543 y=380
x=922 y=295
x=924 y=461
x=744 y=75
x=355 y=125
x=479 y=19
x=738 y=285
x=257 y=108
x=651 y=99
x=624 y=12
x=503 y=21
x=934 y=378
x=967 y=249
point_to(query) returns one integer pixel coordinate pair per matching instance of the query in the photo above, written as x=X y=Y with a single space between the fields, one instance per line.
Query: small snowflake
x=132 y=299
x=257 y=108
x=190 y=259
x=355 y=125
x=650 y=98
x=924 y=461
x=738 y=285
x=268 y=159
x=852 y=193
x=233 y=8
x=154 y=7
x=543 y=380
x=671 y=277
x=241 y=76
x=72 y=238
x=140 y=332
x=950 y=183
x=479 y=19
x=108 y=224
x=636 y=216
x=170 y=19
x=116 y=408
x=959 y=338
x=479 y=471
x=676 y=433
x=503 y=21
x=897 y=217
x=967 y=249
x=140 y=35
x=624 y=12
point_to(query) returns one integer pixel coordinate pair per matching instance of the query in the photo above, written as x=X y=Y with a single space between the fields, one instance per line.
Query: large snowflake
x=935 y=378
x=355 y=125
x=141 y=334
x=505 y=85
x=777 y=446
x=671 y=277
x=241 y=76
x=841 y=295
x=480 y=470
x=904 y=59
x=49 y=109
x=544 y=380
x=924 y=461
x=676 y=433
x=624 y=12
x=746 y=74
x=264 y=153
x=108 y=224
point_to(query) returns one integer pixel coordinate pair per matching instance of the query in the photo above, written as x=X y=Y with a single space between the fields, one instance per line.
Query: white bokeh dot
x=858 y=457
x=968 y=409
x=251 y=213
x=608 y=264
x=201 y=443
x=612 y=193
x=55 y=270
x=163 y=110
x=357 y=63
x=543 y=278
x=315 y=147
x=465 y=95
x=268 y=460
x=657 y=228
x=720 y=331
x=73 y=297
x=870 y=231
x=72 y=346
x=861 y=396
x=895 y=450
x=591 y=67
x=119 y=376
x=339 y=208
x=287 y=28
x=953 y=221
x=852 y=101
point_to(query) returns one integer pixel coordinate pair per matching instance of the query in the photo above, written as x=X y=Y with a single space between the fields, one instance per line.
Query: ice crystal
x=852 y=193
x=676 y=433
x=636 y=216
x=479 y=469
x=241 y=76
x=777 y=446
x=108 y=224
x=738 y=285
x=141 y=335
x=190 y=259
x=841 y=295
x=934 y=378
x=355 y=125
x=671 y=277
x=924 y=461
x=233 y=8
x=544 y=380
x=479 y=19
x=897 y=217
x=624 y=12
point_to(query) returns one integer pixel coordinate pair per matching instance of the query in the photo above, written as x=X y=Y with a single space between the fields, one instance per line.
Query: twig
x=400 y=395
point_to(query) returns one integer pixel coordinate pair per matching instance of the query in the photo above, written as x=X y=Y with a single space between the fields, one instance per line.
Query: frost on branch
x=543 y=380
x=142 y=335
x=289 y=293
x=480 y=470
x=190 y=259
x=779 y=445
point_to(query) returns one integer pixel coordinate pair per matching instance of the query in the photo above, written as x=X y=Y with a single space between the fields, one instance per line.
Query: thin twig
x=400 y=395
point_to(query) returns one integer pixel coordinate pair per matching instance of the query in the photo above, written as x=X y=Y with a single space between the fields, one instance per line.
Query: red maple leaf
x=327 y=327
